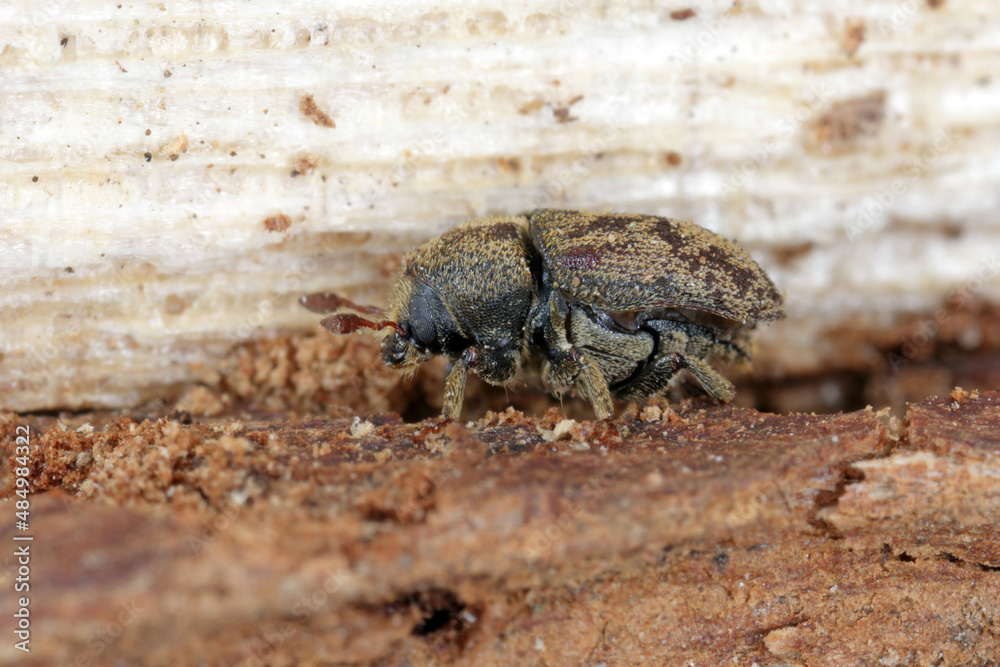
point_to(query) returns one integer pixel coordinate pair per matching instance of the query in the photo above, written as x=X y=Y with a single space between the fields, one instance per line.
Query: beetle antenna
x=328 y=302
x=345 y=323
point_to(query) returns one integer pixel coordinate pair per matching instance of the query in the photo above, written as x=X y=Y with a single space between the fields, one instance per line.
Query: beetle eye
x=422 y=321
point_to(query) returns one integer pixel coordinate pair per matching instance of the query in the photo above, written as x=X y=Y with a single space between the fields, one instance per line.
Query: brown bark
x=700 y=533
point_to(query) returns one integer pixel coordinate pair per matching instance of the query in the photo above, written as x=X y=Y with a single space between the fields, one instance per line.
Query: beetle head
x=399 y=349
x=424 y=325
x=427 y=324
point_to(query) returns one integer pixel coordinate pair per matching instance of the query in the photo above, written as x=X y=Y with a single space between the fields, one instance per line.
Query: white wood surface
x=126 y=276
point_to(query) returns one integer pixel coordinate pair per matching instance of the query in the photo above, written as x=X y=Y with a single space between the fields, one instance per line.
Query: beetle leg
x=560 y=373
x=683 y=345
x=617 y=355
x=555 y=326
x=569 y=366
x=576 y=369
x=454 y=389
x=560 y=370
x=594 y=387
x=717 y=386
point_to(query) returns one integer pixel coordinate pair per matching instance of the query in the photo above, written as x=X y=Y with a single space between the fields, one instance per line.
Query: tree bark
x=691 y=533
x=174 y=178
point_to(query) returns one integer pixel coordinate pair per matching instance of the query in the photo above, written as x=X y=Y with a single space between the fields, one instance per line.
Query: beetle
x=612 y=305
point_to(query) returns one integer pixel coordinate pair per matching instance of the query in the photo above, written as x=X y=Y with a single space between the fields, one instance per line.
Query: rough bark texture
x=174 y=175
x=693 y=533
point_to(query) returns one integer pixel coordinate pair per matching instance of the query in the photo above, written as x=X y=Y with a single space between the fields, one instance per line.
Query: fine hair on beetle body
x=610 y=305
